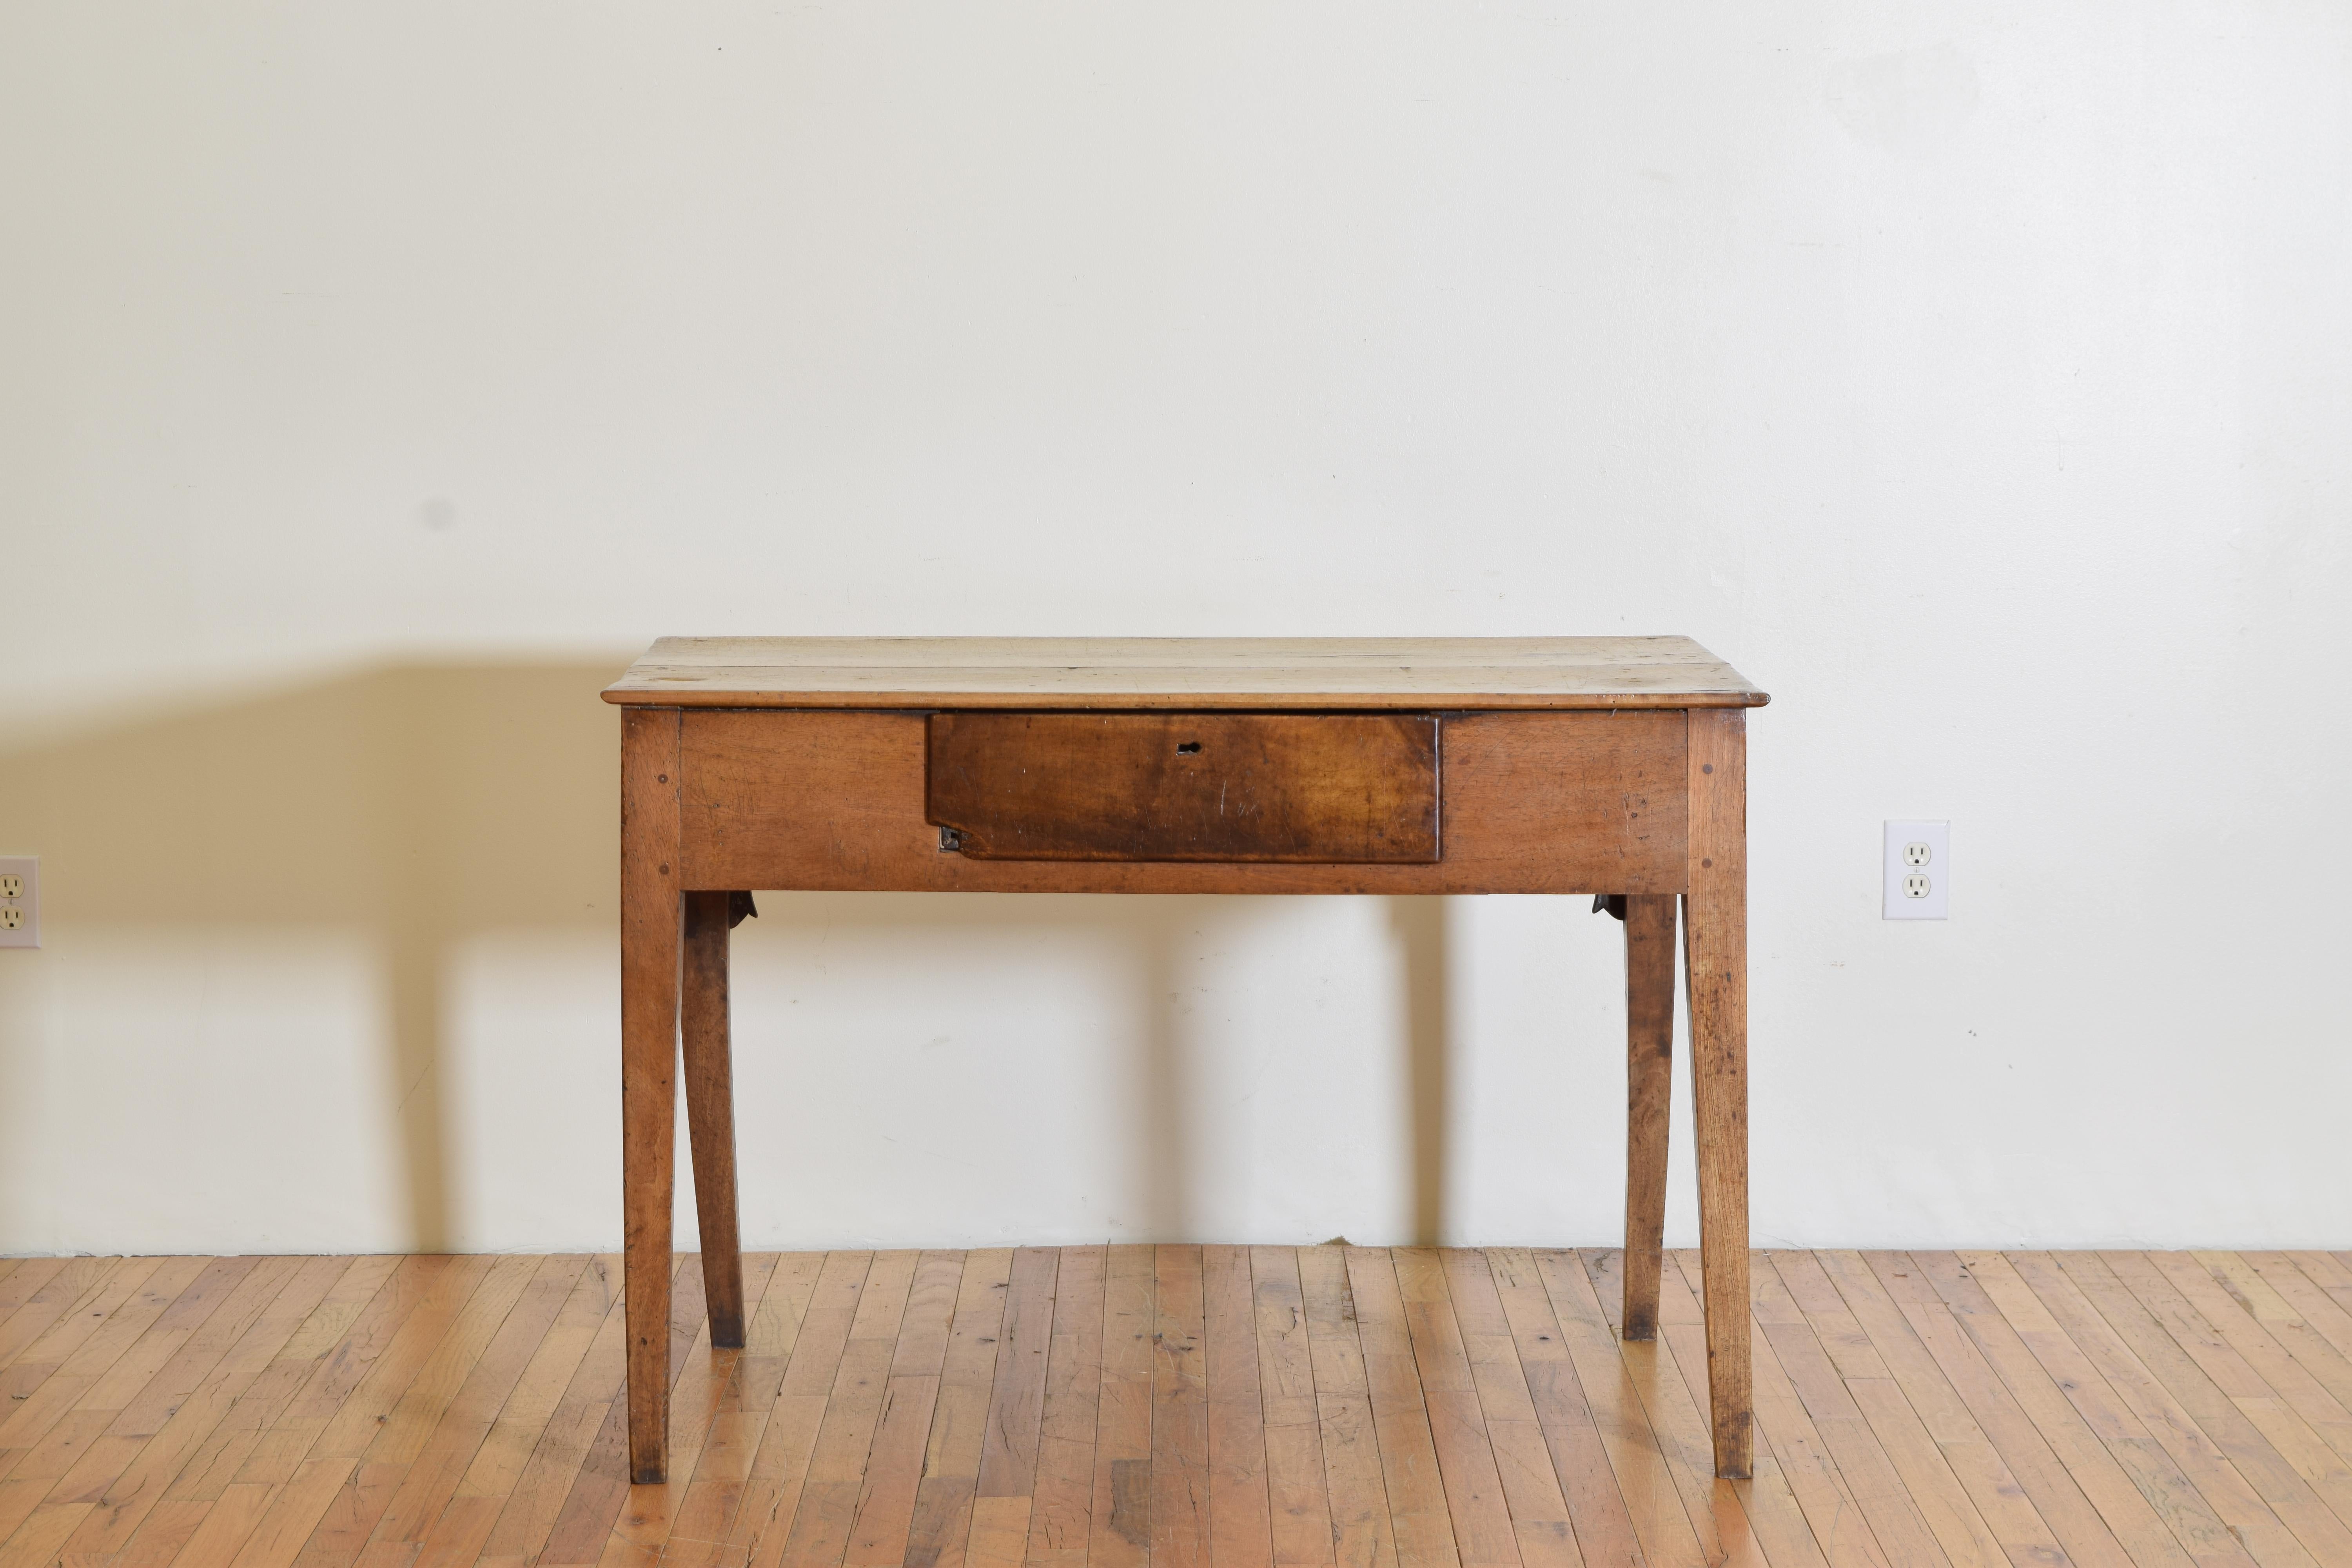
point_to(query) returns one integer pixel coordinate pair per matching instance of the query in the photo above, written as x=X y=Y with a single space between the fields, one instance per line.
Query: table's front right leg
x=1715 y=970
x=650 y=944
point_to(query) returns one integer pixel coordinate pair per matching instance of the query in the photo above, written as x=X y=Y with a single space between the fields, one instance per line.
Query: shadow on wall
x=422 y=805
x=429 y=803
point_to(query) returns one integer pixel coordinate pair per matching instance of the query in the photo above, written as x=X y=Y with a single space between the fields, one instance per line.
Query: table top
x=1182 y=672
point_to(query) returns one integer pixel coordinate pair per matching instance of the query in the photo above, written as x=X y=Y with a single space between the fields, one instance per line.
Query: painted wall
x=1975 y=376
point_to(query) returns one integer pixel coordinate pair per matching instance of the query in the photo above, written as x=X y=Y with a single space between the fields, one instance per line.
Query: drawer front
x=1325 y=789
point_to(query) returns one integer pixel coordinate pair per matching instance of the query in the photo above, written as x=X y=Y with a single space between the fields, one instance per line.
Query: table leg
x=710 y=1111
x=1714 y=963
x=649 y=996
x=1649 y=1080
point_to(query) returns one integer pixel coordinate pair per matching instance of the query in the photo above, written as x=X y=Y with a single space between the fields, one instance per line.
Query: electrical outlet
x=1918 y=870
x=20 y=901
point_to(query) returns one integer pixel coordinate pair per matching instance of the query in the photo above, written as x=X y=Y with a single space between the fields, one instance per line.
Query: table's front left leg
x=649 y=994
x=1714 y=963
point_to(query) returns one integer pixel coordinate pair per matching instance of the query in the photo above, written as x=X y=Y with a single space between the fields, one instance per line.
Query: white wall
x=1975 y=376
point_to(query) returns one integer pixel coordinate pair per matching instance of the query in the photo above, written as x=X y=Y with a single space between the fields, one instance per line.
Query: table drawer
x=1321 y=788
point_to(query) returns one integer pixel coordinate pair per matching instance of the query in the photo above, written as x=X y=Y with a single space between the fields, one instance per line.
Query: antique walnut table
x=1607 y=765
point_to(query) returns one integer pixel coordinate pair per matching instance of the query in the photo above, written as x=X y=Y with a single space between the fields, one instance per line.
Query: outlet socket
x=20 y=901
x=1918 y=870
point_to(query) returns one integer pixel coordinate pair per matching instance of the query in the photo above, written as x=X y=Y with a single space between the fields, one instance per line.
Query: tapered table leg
x=1649 y=1081
x=710 y=1111
x=649 y=994
x=1715 y=961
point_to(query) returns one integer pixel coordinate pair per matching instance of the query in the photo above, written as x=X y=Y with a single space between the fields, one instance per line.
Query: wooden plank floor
x=1179 y=1406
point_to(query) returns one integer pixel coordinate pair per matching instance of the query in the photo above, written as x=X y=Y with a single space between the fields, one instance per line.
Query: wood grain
x=1774 y=1517
x=943 y=1501
x=1180 y=1413
x=1976 y=1410
x=1336 y=789
x=894 y=1466
x=1605 y=1536
x=1530 y=803
x=2311 y=1500
x=1634 y=782
x=1240 y=1513
x=1363 y=1531
x=1182 y=672
x=707 y=1053
x=780 y=1463
x=1483 y=1522
x=650 y=952
x=1298 y=1496
x=1062 y=1516
x=1008 y=1459
x=1649 y=1083
x=1715 y=970
x=1410 y=1470
x=1118 y=1531
x=1611 y=1373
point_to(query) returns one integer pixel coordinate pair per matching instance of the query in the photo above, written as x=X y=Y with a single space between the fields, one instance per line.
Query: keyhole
x=1188 y=747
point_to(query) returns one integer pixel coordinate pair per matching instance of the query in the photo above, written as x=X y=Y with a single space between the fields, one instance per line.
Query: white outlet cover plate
x=1937 y=838
x=29 y=933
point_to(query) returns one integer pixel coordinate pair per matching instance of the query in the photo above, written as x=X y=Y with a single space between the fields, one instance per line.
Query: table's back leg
x=1714 y=960
x=649 y=993
x=710 y=1111
x=1649 y=1081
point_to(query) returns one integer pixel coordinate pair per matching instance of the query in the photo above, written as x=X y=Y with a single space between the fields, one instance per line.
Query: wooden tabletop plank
x=1182 y=672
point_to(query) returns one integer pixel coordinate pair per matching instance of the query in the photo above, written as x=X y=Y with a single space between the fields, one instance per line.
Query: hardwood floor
x=1181 y=1407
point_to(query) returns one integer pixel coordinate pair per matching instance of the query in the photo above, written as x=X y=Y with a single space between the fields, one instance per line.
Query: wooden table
x=1608 y=765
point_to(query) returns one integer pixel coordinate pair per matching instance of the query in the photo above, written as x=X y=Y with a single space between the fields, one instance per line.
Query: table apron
x=1530 y=803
